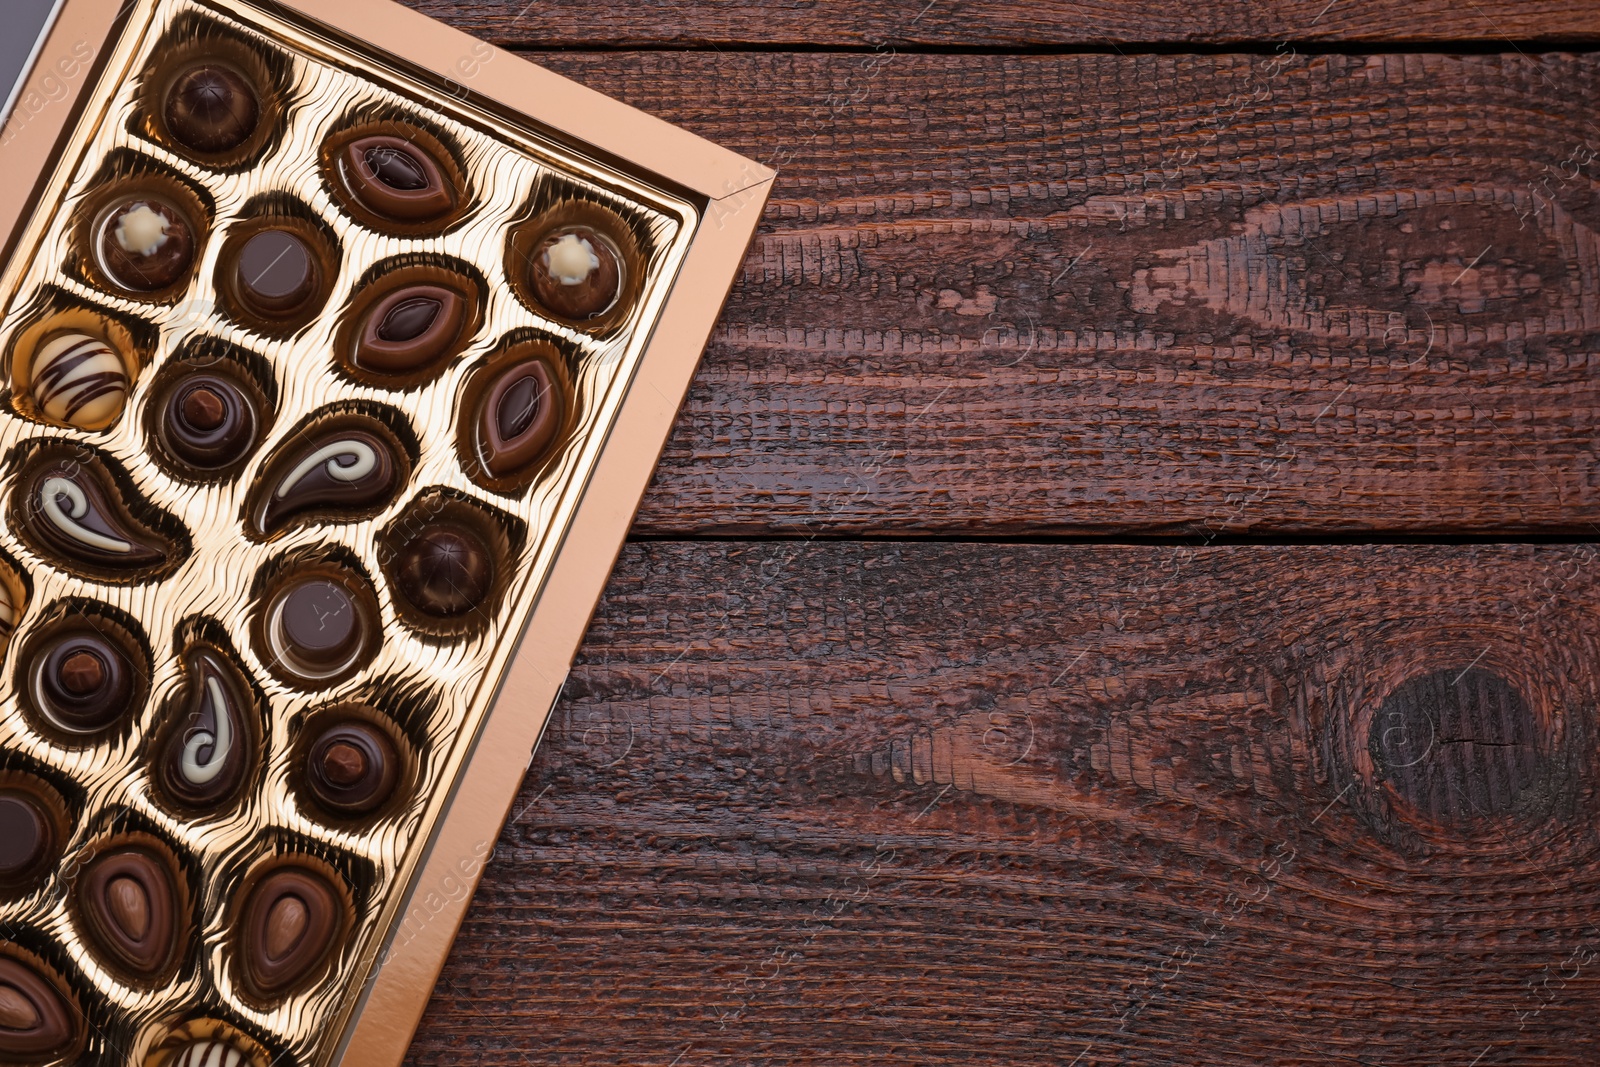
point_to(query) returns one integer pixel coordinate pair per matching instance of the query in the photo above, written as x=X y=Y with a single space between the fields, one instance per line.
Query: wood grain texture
x=1009 y=24
x=943 y=803
x=1090 y=294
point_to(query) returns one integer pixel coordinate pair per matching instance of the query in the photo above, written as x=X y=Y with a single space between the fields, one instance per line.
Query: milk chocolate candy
x=292 y=920
x=409 y=329
x=576 y=273
x=37 y=1023
x=211 y=107
x=207 y=753
x=146 y=245
x=78 y=380
x=130 y=905
x=519 y=414
x=8 y=614
x=396 y=179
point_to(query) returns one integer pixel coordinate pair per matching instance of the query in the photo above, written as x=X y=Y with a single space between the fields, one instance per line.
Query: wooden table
x=1123 y=587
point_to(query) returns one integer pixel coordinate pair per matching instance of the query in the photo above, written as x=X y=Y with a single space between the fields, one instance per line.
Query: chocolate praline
x=409 y=328
x=211 y=108
x=208 y=422
x=352 y=768
x=576 y=273
x=36 y=1021
x=276 y=274
x=206 y=753
x=28 y=838
x=70 y=506
x=446 y=570
x=396 y=179
x=82 y=682
x=343 y=469
x=518 y=416
x=146 y=245
x=130 y=906
x=291 y=921
x=319 y=628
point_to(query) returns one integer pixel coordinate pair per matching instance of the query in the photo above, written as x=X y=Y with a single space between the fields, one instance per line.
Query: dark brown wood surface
x=824 y=791
x=1109 y=24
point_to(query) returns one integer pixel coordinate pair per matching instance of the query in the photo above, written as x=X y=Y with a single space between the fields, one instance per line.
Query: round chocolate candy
x=211 y=1053
x=446 y=570
x=82 y=681
x=319 y=628
x=576 y=273
x=37 y=1023
x=211 y=108
x=78 y=380
x=410 y=328
x=131 y=909
x=396 y=179
x=518 y=416
x=292 y=919
x=146 y=245
x=28 y=834
x=276 y=274
x=209 y=422
x=352 y=768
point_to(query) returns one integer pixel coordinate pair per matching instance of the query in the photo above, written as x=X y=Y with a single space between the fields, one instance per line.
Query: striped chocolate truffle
x=79 y=381
x=210 y=1054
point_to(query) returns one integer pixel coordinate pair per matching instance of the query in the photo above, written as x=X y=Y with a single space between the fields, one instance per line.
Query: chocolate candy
x=576 y=273
x=346 y=469
x=409 y=329
x=288 y=928
x=210 y=1054
x=211 y=108
x=66 y=505
x=276 y=275
x=352 y=768
x=130 y=907
x=146 y=245
x=30 y=831
x=79 y=381
x=37 y=1023
x=80 y=680
x=8 y=614
x=319 y=627
x=209 y=421
x=446 y=570
x=519 y=413
x=396 y=179
x=207 y=753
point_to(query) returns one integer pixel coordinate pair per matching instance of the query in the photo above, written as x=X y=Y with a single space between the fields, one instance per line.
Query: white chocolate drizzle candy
x=572 y=260
x=79 y=381
x=210 y=1054
x=142 y=231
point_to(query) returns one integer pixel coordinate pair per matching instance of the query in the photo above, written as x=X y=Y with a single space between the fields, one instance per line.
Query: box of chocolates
x=338 y=348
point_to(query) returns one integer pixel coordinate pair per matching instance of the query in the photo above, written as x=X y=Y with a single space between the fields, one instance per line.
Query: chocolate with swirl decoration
x=79 y=381
x=345 y=470
x=67 y=507
x=206 y=754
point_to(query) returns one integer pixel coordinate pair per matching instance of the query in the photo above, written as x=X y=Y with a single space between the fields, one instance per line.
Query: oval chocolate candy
x=519 y=413
x=409 y=328
x=396 y=179
x=36 y=1021
x=131 y=909
x=291 y=923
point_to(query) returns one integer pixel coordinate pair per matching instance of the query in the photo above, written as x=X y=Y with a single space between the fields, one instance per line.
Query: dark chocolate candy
x=27 y=835
x=131 y=909
x=277 y=274
x=73 y=511
x=211 y=108
x=319 y=628
x=146 y=245
x=396 y=179
x=344 y=470
x=518 y=417
x=352 y=768
x=290 y=925
x=81 y=680
x=446 y=570
x=576 y=273
x=409 y=329
x=208 y=751
x=36 y=1022
x=208 y=421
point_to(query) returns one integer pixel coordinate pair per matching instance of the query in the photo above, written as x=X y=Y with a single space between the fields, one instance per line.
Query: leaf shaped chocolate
x=344 y=470
x=69 y=508
x=519 y=413
x=36 y=1022
x=396 y=179
x=206 y=754
x=131 y=909
x=409 y=328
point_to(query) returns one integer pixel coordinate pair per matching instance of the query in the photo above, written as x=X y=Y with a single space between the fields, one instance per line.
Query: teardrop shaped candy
x=342 y=471
x=68 y=507
x=207 y=752
x=292 y=920
x=130 y=905
x=36 y=1022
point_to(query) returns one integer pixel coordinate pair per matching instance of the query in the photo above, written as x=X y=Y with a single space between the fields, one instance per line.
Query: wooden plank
x=1083 y=294
x=952 y=803
x=1010 y=24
